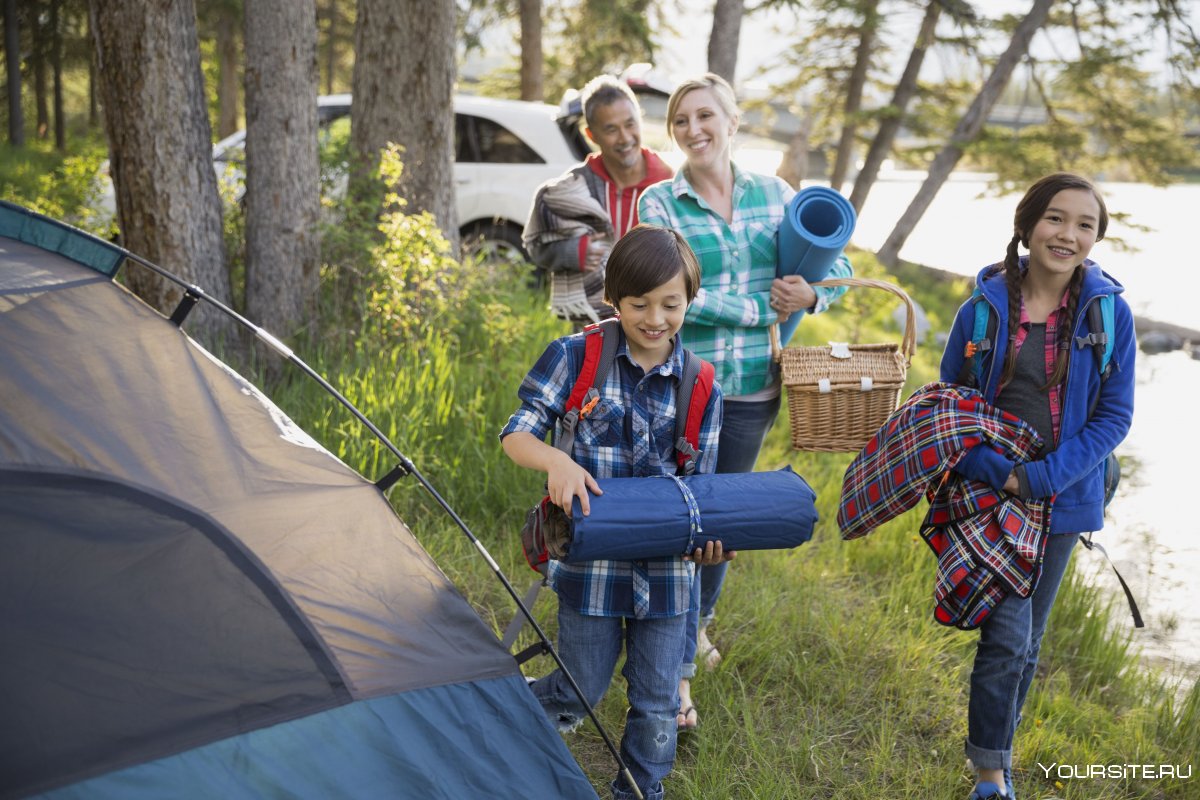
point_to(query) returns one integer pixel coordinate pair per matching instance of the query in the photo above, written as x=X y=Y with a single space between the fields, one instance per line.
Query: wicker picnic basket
x=839 y=395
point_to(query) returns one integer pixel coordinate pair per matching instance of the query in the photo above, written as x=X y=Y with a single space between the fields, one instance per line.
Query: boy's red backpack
x=600 y=349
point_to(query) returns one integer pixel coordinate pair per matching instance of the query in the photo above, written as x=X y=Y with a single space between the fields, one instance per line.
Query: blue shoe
x=986 y=790
x=1008 y=784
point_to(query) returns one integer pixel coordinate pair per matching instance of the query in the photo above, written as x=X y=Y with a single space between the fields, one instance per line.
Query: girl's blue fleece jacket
x=1074 y=472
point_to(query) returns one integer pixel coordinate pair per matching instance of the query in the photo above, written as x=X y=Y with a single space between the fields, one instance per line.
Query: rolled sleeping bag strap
x=693 y=514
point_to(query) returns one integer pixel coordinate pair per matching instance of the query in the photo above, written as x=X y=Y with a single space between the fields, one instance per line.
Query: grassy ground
x=836 y=683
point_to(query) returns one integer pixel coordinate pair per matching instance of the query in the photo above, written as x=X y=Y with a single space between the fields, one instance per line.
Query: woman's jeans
x=590 y=647
x=1007 y=656
x=744 y=427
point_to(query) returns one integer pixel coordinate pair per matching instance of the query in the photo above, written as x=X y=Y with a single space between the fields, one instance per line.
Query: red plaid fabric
x=987 y=542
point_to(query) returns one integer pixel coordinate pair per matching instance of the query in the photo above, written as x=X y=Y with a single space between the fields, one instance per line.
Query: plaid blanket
x=568 y=210
x=987 y=542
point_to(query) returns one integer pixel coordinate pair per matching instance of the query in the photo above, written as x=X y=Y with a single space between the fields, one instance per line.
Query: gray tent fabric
x=185 y=567
x=71 y=340
x=236 y=654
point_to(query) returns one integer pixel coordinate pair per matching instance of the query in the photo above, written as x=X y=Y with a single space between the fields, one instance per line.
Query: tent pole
x=406 y=467
x=483 y=551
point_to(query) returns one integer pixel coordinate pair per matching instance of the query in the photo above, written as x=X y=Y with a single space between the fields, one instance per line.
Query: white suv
x=504 y=149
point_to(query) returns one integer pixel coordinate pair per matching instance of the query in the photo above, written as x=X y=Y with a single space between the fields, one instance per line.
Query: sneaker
x=986 y=790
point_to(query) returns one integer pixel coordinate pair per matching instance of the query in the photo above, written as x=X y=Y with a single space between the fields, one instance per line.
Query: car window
x=480 y=140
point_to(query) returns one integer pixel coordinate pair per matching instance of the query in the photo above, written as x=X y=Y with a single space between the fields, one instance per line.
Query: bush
x=64 y=187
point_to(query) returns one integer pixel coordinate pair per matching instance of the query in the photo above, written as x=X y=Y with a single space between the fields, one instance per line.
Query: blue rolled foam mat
x=651 y=517
x=817 y=225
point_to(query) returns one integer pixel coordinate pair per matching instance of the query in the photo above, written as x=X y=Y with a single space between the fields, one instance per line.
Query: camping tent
x=197 y=599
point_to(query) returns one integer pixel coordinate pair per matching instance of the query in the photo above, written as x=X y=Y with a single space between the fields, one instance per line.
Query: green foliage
x=587 y=39
x=1096 y=111
x=65 y=187
x=580 y=40
x=391 y=273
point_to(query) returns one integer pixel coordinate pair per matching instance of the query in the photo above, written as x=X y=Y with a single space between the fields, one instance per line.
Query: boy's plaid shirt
x=629 y=434
x=728 y=323
x=987 y=542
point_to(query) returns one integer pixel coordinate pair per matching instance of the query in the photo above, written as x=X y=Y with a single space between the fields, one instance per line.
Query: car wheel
x=497 y=242
x=499 y=239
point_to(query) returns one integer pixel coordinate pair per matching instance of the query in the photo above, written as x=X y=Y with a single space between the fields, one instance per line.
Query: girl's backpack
x=1100 y=322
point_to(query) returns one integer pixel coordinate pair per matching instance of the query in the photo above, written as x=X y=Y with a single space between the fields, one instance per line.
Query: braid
x=1063 y=355
x=1012 y=282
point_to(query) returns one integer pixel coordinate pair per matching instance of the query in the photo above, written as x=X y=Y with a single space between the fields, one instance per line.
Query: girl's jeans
x=590 y=647
x=1007 y=656
x=744 y=426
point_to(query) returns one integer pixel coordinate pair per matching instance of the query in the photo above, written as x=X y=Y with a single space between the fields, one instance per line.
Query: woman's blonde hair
x=722 y=91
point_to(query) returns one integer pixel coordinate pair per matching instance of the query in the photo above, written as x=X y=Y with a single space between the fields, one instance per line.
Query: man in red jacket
x=577 y=217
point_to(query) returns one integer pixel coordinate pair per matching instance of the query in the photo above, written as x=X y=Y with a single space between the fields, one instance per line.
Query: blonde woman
x=731 y=218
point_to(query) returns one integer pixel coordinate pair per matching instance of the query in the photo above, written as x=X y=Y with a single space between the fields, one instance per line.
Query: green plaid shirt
x=728 y=323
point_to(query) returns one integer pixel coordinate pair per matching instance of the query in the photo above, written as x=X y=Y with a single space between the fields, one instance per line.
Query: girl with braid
x=1041 y=368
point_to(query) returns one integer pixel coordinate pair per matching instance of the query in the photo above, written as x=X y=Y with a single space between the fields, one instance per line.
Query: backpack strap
x=695 y=389
x=983 y=334
x=1100 y=322
x=600 y=350
x=1100 y=319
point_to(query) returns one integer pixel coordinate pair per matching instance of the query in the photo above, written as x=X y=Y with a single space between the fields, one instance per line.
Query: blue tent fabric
x=817 y=225
x=654 y=517
x=26 y=226
x=386 y=747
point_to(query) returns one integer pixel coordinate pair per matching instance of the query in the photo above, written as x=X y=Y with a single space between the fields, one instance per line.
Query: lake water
x=1153 y=532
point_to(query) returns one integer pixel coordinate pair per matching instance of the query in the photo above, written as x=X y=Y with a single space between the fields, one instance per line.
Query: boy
x=652 y=275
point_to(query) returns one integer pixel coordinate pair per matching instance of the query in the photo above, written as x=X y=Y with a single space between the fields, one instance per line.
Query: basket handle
x=909 y=342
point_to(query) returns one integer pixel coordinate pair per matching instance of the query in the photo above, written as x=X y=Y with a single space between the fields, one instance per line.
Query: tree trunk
x=56 y=56
x=403 y=92
x=794 y=166
x=93 y=98
x=160 y=148
x=854 y=93
x=723 y=41
x=331 y=50
x=966 y=131
x=905 y=90
x=12 y=67
x=37 y=62
x=282 y=174
x=531 y=50
x=227 y=58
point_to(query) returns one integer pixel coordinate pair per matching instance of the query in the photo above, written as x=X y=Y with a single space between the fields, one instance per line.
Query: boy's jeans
x=590 y=647
x=1010 y=640
x=743 y=428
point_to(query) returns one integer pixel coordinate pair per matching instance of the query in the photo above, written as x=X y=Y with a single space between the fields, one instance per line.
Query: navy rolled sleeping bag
x=817 y=225
x=670 y=516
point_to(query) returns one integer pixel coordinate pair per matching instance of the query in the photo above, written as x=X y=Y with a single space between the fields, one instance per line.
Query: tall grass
x=836 y=683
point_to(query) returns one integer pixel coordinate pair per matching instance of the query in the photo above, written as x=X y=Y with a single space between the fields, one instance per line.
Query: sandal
x=691 y=720
x=706 y=651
